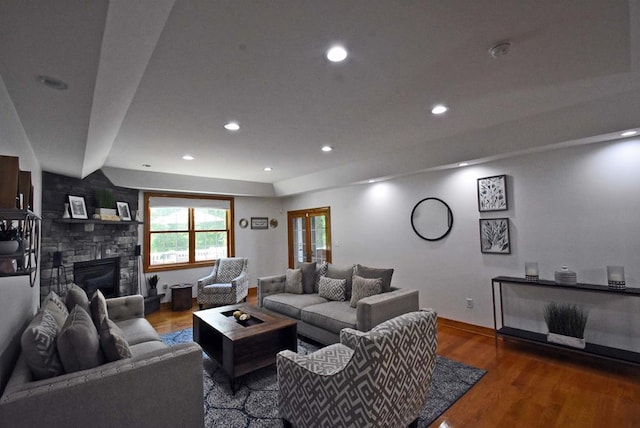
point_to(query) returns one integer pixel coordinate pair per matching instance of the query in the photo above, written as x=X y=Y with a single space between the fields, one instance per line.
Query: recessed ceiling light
x=372 y=181
x=463 y=164
x=337 y=54
x=439 y=109
x=188 y=157
x=53 y=83
x=268 y=169
x=629 y=133
x=327 y=148
x=231 y=126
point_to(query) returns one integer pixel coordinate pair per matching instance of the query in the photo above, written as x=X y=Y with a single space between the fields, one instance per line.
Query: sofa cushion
x=290 y=304
x=321 y=270
x=98 y=309
x=137 y=330
x=308 y=276
x=112 y=342
x=369 y=272
x=345 y=272
x=364 y=287
x=218 y=288
x=38 y=343
x=331 y=316
x=77 y=296
x=56 y=307
x=332 y=289
x=79 y=343
x=146 y=347
x=293 y=281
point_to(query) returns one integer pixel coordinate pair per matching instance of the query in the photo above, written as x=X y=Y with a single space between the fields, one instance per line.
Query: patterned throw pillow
x=38 y=343
x=321 y=270
x=342 y=272
x=229 y=269
x=332 y=289
x=112 y=342
x=293 y=281
x=56 y=307
x=364 y=287
x=77 y=296
x=368 y=272
x=78 y=342
x=98 y=309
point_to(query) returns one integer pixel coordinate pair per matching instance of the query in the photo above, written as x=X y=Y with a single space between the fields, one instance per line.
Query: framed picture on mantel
x=78 y=207
x=123 y=211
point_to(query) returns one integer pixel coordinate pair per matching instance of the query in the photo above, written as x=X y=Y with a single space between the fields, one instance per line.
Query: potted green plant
x=9 y=238
x=153 y=284
x=105 y=202
x=566 y=324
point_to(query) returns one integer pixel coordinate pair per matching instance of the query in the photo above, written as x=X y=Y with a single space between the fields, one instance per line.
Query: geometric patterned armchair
x=227 y=284
x=375 y=379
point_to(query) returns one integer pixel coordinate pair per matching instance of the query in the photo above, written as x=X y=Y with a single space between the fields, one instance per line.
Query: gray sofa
x=321 y=319
x=130 y=392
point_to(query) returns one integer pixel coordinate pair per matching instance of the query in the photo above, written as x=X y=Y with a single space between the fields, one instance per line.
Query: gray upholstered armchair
x=375 y=379
x=227 y=284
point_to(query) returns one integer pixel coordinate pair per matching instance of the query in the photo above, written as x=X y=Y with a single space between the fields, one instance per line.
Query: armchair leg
x=286 y=424
x=414 y=424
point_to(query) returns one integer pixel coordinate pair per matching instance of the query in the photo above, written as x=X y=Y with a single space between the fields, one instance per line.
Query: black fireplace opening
x=101 y=274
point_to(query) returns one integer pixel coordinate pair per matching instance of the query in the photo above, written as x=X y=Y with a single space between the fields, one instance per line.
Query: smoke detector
x=500 y=49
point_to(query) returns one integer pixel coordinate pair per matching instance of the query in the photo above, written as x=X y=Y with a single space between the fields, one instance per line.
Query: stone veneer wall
x=78 y=242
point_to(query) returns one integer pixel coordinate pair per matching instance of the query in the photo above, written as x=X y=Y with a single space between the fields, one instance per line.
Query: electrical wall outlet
x=469 y=303
x=164 y=287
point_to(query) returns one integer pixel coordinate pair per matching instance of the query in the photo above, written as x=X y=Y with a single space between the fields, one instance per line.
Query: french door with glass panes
x=309 y=236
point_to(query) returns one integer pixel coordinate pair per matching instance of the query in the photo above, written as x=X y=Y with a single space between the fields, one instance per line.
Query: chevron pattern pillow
x=38 y=343
x=332 y=289
x=229 y=269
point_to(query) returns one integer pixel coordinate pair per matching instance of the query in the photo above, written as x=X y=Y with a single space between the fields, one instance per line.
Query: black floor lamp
x=138 y=269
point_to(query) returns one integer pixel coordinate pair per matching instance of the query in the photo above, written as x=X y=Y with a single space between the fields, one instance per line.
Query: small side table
x=152 y=303
x=181 y=297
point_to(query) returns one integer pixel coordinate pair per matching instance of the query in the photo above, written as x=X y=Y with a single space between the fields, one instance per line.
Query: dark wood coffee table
x=243 y=347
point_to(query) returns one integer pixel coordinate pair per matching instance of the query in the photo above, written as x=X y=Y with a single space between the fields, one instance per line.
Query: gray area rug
x=255 y=404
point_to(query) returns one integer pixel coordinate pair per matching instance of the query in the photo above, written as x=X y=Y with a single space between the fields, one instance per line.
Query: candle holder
x=531 y=271
x=615 y=277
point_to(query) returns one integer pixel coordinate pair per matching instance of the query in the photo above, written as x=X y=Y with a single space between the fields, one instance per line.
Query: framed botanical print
x=494 y=236
x=492 y=193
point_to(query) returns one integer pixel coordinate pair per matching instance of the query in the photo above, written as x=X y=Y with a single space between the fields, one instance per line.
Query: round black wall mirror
x=431 y=219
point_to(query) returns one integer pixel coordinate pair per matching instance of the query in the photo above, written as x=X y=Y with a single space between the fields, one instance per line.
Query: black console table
x=152 y=303
x=541 y=339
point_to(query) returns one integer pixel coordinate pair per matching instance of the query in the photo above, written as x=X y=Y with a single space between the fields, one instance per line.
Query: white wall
x=265 y=249
x=577 y=206
x=18 y=301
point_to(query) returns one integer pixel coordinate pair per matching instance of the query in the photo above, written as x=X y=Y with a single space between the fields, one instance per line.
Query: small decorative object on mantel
x=566 y=324
x=531 y=271
x=565 y=276
x=615 y=277
x=65 y=214
x=106 y=203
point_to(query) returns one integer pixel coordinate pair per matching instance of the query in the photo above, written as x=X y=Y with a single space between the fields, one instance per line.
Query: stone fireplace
x=87 y=241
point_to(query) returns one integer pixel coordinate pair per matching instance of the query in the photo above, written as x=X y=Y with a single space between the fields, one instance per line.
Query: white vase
x=65 y=214
x=574 y=342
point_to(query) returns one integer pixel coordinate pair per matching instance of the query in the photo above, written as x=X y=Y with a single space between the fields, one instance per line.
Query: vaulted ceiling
x=152 y=80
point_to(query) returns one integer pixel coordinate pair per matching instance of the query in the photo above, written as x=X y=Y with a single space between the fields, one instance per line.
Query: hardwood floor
x=525 y=386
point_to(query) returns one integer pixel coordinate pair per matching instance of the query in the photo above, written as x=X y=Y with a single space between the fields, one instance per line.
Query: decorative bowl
x=8 y=247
